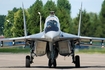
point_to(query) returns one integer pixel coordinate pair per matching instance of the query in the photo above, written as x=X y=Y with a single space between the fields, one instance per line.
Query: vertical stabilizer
x=24 y=20
x=40 y=21
x=79 y=28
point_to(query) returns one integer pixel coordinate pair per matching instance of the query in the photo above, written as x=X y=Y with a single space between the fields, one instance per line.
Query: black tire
x=49 y=63
x=27 y=61
x=54 y=64
x=77 y=61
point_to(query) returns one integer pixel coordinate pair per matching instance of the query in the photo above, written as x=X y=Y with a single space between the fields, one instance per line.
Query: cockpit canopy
x=52 y=25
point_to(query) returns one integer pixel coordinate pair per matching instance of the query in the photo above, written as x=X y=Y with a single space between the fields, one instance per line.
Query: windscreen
x=52 y=25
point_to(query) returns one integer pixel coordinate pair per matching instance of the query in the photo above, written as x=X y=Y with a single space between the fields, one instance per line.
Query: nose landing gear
x=52 y=62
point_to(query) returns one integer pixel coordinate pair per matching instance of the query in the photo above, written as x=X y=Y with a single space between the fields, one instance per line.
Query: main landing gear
x=29 y=59
x=76 y=59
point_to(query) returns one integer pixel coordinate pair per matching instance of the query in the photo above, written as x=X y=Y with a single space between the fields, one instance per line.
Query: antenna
x=79 y=28
x=24 y=20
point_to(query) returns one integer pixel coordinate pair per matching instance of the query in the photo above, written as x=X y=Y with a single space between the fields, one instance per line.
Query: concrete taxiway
x=10 y=61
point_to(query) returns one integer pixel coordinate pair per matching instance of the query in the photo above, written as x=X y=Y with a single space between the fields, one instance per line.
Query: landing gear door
x=40 y=48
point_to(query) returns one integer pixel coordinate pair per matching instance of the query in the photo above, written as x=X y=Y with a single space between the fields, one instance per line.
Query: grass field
x=27 y=50
x=92 y=50
x=14 y=50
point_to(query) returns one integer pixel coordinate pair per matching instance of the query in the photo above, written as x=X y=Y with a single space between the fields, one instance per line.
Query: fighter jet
x=52 y=42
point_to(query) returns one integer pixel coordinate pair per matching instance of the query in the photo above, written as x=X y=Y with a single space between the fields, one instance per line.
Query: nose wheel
x=52 y=63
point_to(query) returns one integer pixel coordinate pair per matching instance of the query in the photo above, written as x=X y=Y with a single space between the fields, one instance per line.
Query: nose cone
x=51 y=35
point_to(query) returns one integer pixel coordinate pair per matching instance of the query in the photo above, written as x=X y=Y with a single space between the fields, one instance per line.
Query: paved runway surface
x=9 y=61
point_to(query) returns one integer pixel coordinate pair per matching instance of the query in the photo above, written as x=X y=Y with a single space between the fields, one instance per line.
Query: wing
x=91 y=38
x=66 y=36
x=38 y=36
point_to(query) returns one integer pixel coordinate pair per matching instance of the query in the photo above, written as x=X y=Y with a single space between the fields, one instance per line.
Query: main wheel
x=77 y=61
x=27 y=61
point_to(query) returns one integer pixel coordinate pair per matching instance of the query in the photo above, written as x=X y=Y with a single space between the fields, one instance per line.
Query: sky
x=88 y=5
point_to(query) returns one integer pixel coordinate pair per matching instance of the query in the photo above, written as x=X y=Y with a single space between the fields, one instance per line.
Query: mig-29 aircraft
x=52 y=41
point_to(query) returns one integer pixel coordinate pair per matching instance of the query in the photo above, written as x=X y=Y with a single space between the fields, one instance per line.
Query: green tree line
x=2 y=20
x=92 y=23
